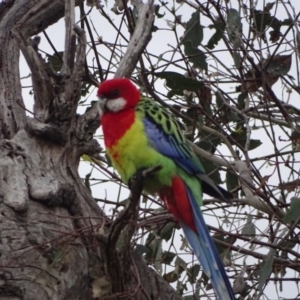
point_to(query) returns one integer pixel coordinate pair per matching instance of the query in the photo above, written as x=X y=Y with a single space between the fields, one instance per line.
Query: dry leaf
x=205 y=96
x=290 y=186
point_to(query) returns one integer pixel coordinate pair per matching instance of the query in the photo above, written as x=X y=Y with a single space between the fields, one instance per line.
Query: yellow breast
x=134 y=151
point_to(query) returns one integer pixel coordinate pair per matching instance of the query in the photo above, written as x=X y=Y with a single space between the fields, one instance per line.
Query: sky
x=163 y=41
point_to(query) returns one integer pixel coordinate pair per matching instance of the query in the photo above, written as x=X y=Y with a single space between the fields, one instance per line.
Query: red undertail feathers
x=177 y=202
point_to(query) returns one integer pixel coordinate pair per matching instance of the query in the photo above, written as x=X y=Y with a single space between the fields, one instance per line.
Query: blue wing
x=167 y=145
x=173 y=145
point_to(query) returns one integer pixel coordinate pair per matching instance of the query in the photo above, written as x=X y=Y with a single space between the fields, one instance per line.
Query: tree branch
x=125 y=226
x=140 y=38
x=69 y=53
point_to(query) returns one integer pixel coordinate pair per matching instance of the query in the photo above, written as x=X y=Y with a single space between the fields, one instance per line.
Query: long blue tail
x=206 y=252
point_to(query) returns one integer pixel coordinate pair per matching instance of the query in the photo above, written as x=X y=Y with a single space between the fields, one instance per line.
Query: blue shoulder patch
x=167 y=145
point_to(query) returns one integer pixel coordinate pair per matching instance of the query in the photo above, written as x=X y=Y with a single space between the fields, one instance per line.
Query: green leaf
x=180 y=287
x=85 y=88
x=217 y=36
x=193 y=114
x=249 y=228
x=158 y=258
x=86 y=157
x=254 y=144
x=298 y=42
x=223 y=251
x=208 y=142
x=178 y=83
x=109 y=162
x=194 y=31
x=124 y=202
x=280 y=65
x=295 y=136
x=266 y=269
x=158 y=15
x=56 y=60
x=269 y=6
x=167 y=257
x=204 y=278
x=288 y=245
x=90 y=159
x=153 y=243
x=241 y=100
x=237 y=59
x=231 y=181
x=263 y=20
x=154 y=255
x=180 y=265
x=293 y=212
x=87 y=181
x=287 y=22
x=233 y=116
x=234 y=27
x=211 y=170
x=195 y=56
x=219 y=101
x=154 y=28
x=240 y=137
x=192 y=38
x=171 y=277
x=192 y=273
x=167 y=231
x=141 y=249
x=190 y=297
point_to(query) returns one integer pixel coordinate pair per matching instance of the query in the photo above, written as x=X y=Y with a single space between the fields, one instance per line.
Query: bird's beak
x=102 y=103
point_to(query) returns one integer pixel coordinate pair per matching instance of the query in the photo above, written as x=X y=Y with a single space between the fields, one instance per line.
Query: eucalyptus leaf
x=192 y=273
x=211 y=170
x=167 y=231
x=231 y=181
x=194 y=31
x=293 y=212
x=167 y=257
x=266 y=269
x=171 y=277
x=217 y=36
x=56 y=60
x=249 y=228
x=195 y=56
x=234 y=27
x=280 y=65
x=178 y=82
x=157 y=14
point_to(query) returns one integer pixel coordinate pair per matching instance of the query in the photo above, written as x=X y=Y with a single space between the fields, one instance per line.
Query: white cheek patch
x=116 y=104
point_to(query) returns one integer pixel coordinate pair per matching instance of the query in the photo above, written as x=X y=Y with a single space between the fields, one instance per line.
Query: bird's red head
x=118 y=94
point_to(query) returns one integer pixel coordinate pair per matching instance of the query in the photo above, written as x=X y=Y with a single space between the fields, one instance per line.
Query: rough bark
x=54 y=238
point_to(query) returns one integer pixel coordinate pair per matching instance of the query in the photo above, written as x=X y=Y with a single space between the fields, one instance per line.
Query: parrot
x=138 y=134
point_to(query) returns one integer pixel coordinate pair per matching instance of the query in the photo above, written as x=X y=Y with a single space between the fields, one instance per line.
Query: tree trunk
x=54 y=238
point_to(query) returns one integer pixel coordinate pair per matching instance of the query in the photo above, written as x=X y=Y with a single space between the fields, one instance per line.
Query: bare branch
x=42 y=81
x=46 y=131
x=140 y=38
x=69 y=53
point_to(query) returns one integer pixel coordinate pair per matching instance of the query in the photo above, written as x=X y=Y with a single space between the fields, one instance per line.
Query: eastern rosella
x=138 y=134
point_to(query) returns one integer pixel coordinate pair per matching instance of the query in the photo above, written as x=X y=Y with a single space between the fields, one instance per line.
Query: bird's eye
x=114 y=93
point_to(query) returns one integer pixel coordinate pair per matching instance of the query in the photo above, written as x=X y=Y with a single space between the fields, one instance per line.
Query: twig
x=92 y=41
